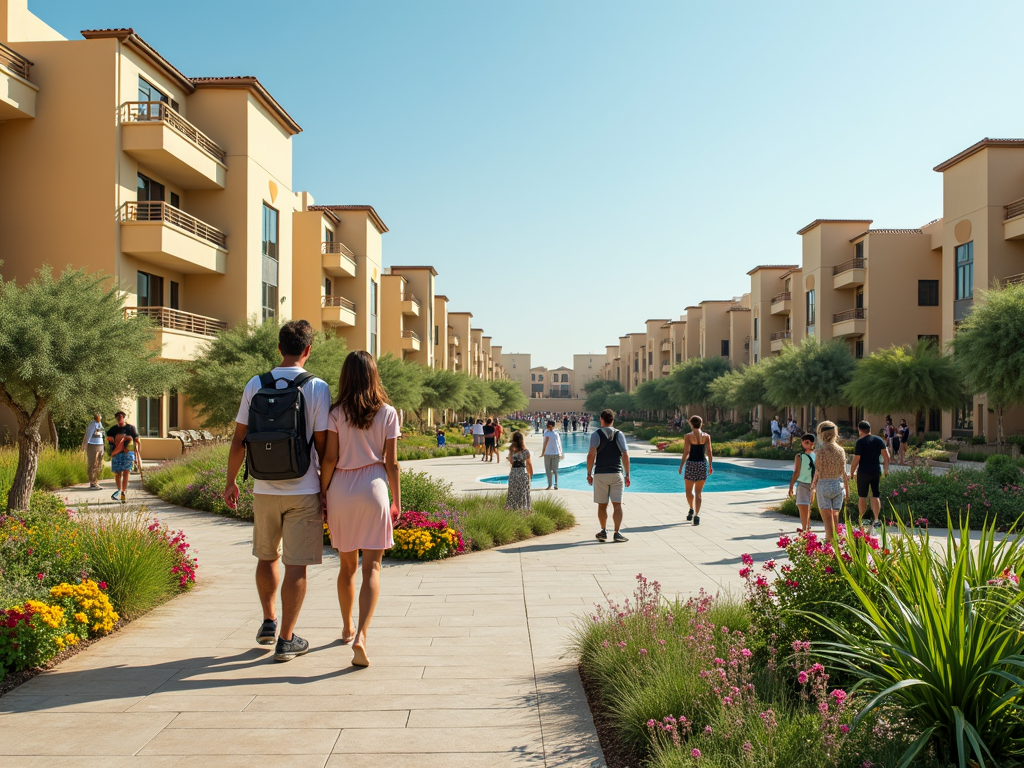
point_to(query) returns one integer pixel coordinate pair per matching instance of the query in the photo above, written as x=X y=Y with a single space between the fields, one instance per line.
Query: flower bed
x=69 y=576
x=692 y=684
x=438 y=522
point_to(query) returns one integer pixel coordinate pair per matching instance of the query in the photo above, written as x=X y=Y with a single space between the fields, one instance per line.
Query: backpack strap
x=301 y=379
x=267 y=380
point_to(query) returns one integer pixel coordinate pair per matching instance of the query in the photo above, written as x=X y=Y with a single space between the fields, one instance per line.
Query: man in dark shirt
x=489 y=447
x=125 y=450
x=868 y=470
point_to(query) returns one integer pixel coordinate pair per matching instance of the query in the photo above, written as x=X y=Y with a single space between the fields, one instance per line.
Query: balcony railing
x=1014 y=280
x=781 y=335
x=410 y=335
x=850 y=314
x=159 y=112
x=412 y=298
x=1014 y=209
x=158 y=210
x=15 y=62
x=846 y=266
x=335 y=247
x=784 y=296
x=338 y=301
x=176 y=320
x=454 y=339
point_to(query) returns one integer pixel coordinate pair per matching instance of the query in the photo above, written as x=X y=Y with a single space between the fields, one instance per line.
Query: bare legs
x=830 y=517
x=694 y=491
x=602 y=515
x=876 y=507
x=293 y=592
x=121 y=480
x=368 y=594
x=805 y=517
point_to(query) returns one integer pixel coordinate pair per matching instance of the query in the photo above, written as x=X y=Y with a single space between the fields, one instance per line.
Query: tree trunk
x=999 y=424
x=51 y=427
x=30 y=444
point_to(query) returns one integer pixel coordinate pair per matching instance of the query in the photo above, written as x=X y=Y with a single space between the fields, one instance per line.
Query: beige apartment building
x=585 y=369
x=980 y=243
x=442 y=341
x=517 y=366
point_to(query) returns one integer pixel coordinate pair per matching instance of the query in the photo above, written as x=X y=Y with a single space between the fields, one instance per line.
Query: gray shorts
x=803 y=494
x=831 y=494
x=608 y=487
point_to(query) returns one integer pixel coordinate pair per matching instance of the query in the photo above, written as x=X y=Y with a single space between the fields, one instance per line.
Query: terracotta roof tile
x=128 y=37
x=252 y=84
x=886 y=232
x=975 y=148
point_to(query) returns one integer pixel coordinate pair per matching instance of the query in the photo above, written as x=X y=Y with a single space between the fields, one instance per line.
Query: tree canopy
x=218 y=375
x=480 y=398
x=690 y=382
x=443 y=390
x=987 y=348
x=403 y=381
x=66 y=350
x=654 y=395
x=510 y=395
x=814 y=373
x=598 y=392
x=907 y=379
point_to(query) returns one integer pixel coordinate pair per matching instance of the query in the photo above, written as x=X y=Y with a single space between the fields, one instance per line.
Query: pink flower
x=695 y=753
x=769 y=565
x=643 y=651
x=744 y=573
x=707 y=729
x=839 y=695
x=802 y=678
x=40 y=576
x=746 y=653
x=828 y=569
x=761 y=581
x=844 y=728
x=784 y=541
x=747 y=559
x=747 y=747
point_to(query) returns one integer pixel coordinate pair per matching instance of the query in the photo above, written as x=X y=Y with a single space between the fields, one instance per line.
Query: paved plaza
x=470 y=660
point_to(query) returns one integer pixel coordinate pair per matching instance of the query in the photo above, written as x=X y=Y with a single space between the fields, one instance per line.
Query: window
x=328 y=287
x=149 y=416
x=328 y=235
x=858 y=250
x=679 y=357
x=172 y=409
x=270 y=262
x=963 y=418
x=565 y=377
x=540 y=377
x=149 y=92
x=437 y=337
x=150 y=290
x=810 y=307
x=859 y=299
x=858 y=349
x=533 y=376
x=148 y=190
x=755 y=329
x=927 y=293
x=650 y=358
x=934 y=420
x=373 y=318
x=725 y=347
x=932 y=338
x=175 y=296
x=965 y=271
x=175 y=200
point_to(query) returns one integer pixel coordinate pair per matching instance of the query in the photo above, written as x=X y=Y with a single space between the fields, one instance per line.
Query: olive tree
x=67 y=349
x=815 y=372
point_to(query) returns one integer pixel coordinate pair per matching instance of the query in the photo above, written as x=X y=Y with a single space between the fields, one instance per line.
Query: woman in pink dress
x=359 y=466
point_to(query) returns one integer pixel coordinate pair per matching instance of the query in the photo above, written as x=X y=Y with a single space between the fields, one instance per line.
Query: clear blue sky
x=572 y=168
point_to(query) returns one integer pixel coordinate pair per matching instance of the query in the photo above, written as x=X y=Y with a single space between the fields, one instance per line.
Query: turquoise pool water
x=660 y=476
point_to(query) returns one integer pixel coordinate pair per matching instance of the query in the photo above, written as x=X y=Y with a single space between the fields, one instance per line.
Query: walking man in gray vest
x=608 y=472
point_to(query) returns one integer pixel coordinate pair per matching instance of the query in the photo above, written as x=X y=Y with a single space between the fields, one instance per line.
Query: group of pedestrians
x=820 y=471
x=317 y=461
x=783 y=432
x=122 y=439
x=486 y=434
x=570 y=421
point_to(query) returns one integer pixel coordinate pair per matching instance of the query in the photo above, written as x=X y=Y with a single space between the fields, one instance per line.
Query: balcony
x=852 y=322
x=1013 y=226
x=782 y=303
x=666 y=367
x=17 y=93
x=161 y=139
x=162 y=234
x=337 y=310
x=779 y=339
x=454 y=339
x=666 y=345
x=1013 y=280
x=849 y=274
x=338 y=261
x=410 y=341
x=179 y=335
x=410 y=306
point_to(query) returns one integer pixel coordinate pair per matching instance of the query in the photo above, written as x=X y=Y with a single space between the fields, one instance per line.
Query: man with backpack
x=280 y=433
x=606 y=460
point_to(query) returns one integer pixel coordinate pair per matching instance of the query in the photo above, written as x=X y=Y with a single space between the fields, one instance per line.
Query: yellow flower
x=81 y=618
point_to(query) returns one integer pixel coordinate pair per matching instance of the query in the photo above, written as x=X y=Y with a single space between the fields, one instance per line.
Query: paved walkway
x=470 y=664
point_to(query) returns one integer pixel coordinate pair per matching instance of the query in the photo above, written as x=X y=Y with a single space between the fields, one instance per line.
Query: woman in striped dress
x=520 y=474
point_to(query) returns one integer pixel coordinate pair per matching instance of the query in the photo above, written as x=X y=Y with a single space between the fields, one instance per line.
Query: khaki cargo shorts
x=289 y=527
x=608 y=487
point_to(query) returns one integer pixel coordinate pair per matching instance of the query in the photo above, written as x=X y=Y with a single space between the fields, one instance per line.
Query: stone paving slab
x=470 y=659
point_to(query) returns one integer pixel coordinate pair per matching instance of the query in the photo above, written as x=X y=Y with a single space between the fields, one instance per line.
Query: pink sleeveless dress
x=358 y=510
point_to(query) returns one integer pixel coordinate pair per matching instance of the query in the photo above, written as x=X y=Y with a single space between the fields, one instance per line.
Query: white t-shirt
x=554 y=447
x=478 y=429
x=94 y=433
x=317 y=397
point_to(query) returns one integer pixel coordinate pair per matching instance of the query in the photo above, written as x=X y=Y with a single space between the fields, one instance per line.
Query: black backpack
x=276 y=447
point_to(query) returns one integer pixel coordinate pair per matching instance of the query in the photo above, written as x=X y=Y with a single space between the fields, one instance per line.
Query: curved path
x=470 y=666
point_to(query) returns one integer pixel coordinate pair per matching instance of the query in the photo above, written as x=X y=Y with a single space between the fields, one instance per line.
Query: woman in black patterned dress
x=520 y=474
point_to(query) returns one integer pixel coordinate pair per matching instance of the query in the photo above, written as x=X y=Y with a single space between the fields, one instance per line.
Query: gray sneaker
x=267 y=633
x=287 y=650
x=619 y=537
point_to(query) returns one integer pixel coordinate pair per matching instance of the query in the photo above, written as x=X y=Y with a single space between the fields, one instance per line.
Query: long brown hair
x=360 y=394
x=518 y=444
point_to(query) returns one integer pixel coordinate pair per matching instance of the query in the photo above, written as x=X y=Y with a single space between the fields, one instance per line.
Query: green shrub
x=1002 y=470
x=137 y=565
x=918 y=494
x=977 y=440
x=972 y=456
x=540 y=525
x=57 y=469
x=423 y=493
x=555 y=510
x=939 y=635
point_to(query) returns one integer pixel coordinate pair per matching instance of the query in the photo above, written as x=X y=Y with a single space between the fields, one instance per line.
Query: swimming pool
x=650 y=475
